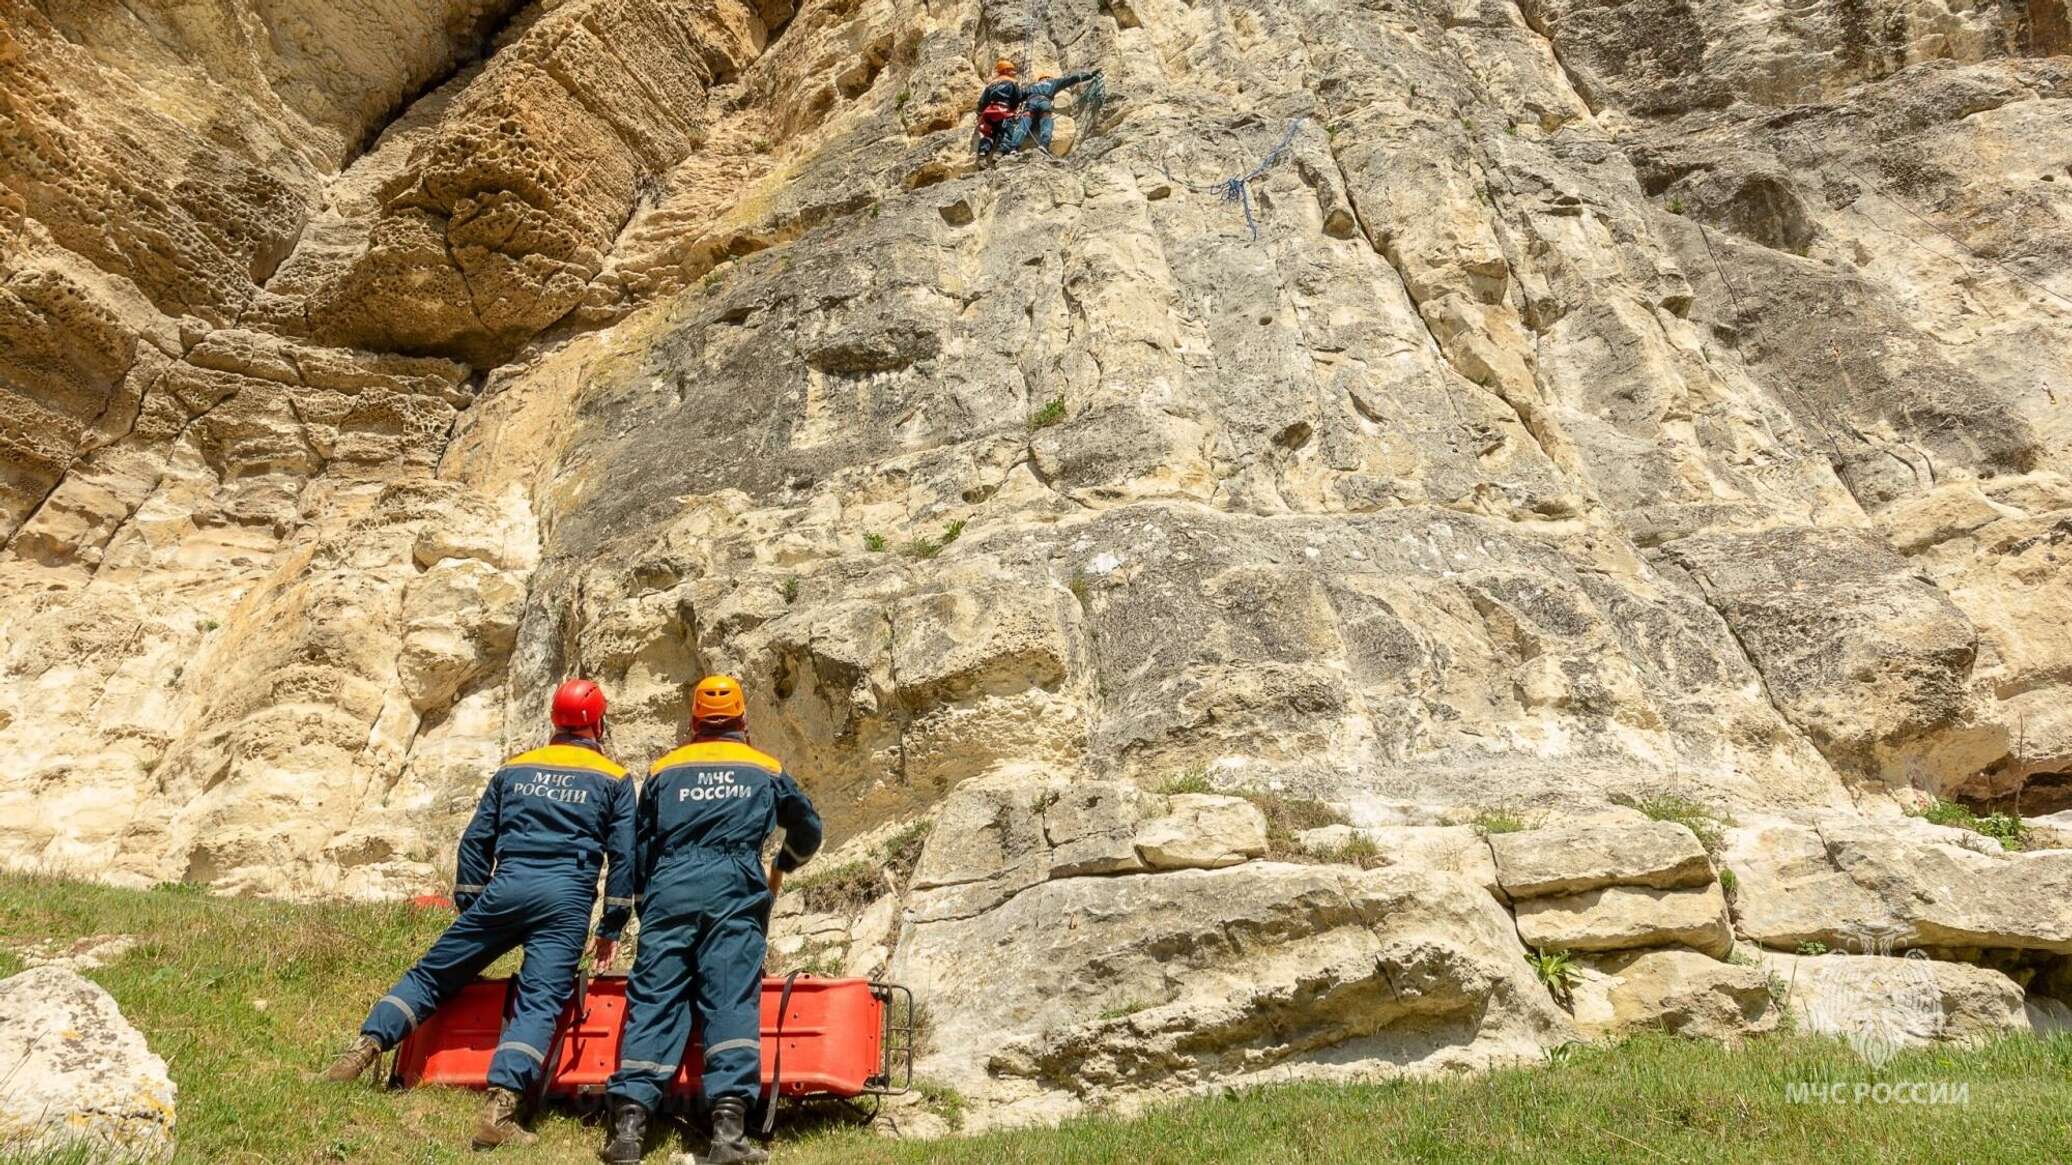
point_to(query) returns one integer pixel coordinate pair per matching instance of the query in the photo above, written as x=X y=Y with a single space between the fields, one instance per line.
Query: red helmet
x=578 y=704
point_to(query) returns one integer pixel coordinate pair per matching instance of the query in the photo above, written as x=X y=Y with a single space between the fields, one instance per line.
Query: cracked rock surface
x=1615 y=402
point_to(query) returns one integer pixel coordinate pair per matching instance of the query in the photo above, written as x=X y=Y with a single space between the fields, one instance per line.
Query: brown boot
x=500 y=1122
x=354 y=1062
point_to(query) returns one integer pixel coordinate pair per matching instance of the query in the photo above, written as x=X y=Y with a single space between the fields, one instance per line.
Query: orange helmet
x=1004 y=67
x=717 y=698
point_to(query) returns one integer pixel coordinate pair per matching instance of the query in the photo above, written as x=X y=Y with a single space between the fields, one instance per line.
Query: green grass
x=875 y=543
x=1288 y=816
x=1358 y=850
x=1501 y=819
x=2004 y=828
x=843 y=889
x=194 y=982
x=1050 y=414
x=1655 y=1098
x=1707 y=823
x=1191 y=781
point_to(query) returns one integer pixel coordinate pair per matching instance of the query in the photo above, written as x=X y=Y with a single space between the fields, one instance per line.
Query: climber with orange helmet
x=998 y=105
x=705 y=812
x=526 y=876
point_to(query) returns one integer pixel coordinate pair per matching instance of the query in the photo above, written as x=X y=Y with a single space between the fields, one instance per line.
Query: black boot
x=629 y=1131
x=729 y=1137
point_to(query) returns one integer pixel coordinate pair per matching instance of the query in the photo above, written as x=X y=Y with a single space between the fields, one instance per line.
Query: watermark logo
x=1878 y=1007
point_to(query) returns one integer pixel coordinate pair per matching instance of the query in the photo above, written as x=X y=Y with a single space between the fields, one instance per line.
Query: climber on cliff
x=526 y=876
x=998 y=104
x=705 y=812
x=1035 y=118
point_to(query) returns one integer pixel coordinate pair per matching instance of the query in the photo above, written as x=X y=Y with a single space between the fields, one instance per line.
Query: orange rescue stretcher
x=832 y=1038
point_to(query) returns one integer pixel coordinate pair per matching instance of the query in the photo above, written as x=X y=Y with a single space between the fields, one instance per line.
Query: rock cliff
x=1587 y=403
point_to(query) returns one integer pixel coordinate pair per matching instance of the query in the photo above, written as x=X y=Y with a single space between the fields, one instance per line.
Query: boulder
x=1677 y=991
x=1203 y=831
x=78 y=1072
x=1455 y=849
x=1839 y=879
x=1882 y=1003
x=1241 y=974
x=1569 y=859
x=1619 y=918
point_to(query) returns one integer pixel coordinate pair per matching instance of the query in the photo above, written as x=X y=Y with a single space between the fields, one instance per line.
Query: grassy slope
x=245 y=998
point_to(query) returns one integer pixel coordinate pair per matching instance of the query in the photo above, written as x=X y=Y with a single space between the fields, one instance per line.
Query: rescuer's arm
x=801 y=827
x=647 y=845
x=477 y=856
x=619 y=882
x=1070 y=79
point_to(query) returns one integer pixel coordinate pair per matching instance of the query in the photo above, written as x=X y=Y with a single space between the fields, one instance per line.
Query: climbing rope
x=1034 y=17
x=2012 y=271
x=1238 y=189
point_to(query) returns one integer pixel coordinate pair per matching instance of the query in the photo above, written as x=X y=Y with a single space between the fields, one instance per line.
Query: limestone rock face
x=1881 y=1003
x=1257 y=972
x=1839 y=879
x=1621 y=918
x=1585 y=403
x=78 y=1072
x=1677 y=991
x=1570 y=859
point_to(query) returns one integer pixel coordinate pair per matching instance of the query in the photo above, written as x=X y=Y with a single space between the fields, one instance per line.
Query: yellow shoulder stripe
x=718 y=752
x=568 y=756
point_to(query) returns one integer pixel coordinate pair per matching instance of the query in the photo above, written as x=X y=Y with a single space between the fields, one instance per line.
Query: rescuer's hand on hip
x=603 y=952
x=776 y=880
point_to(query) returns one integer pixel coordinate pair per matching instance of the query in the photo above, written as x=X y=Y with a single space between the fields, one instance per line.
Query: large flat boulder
x=1838 y=879
x=1882 y=1003
x=1619 y=918
x=1676 y=991
x=76 y=1072
x=1265 y=971
x=1569 y=859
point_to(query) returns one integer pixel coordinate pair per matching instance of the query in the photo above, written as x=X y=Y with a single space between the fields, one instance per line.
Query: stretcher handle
x=777 y=1060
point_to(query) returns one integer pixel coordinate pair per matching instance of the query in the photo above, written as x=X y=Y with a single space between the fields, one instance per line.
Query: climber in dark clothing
x=1035 y=118
x=997 y=106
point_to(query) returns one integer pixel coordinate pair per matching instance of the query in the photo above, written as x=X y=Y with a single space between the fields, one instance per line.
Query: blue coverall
x=705 y=811
x=1035 y=116
x=527 y=875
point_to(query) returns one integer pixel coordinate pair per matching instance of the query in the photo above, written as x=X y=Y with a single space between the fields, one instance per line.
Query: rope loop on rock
x=1238 y=189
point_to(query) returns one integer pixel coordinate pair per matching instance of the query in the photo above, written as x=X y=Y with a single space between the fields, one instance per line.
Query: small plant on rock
x=875 y=543
x=1358 y=850
x=902 y=851
x=1557 y=972
x=1676 y=204
x=1504 y=818
x=1812 y=947
x=1195 y=780
x=1706 y=823
x=1127 y=1009
x=2004 y=828
x=846 y=889
x=791 y=591
x=1050 y=414
x=943 y=1100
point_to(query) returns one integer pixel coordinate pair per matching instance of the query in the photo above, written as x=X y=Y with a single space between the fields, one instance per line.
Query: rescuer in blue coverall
x=705 y=811
x=1035 y=117
x=526 y=875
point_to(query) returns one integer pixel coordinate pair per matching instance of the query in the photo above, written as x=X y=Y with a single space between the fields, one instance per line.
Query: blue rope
x=1237 y=189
